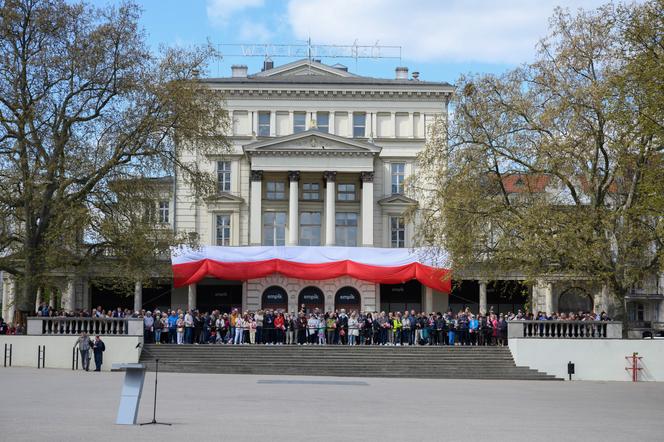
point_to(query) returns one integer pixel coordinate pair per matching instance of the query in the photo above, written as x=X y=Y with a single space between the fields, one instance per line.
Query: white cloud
x=433 y=30
x=219 y=12
x=254 y=32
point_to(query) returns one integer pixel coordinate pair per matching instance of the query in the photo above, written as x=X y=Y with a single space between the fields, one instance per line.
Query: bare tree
x=85 y=104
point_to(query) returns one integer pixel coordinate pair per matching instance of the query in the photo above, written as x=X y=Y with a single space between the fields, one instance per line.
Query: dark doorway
x=506 y=296
x=574 y=300
x=347 y=298
x=219 y=297
x=109 y=294
x=465 y=293
x=274 y=298
x=312 y=298
x=400 y=297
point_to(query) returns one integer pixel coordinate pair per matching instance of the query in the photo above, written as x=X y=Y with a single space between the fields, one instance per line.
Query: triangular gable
x=312 y=140
x=303 y=67
x=397 y=200
x=224 y=197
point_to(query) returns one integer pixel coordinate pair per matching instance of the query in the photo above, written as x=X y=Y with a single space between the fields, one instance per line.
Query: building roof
x=311 y=72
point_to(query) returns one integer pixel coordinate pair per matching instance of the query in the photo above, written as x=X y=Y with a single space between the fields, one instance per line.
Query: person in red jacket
x=279 y=326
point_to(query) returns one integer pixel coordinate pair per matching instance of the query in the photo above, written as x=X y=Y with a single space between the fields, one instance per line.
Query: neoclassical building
x=318 y=157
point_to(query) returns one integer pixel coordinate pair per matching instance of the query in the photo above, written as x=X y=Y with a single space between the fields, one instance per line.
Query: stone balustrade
x=565 y=329
x=66 y=326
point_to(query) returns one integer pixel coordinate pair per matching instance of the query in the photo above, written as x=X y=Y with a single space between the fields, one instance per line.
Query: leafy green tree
x=84 y=104
x=555 y=167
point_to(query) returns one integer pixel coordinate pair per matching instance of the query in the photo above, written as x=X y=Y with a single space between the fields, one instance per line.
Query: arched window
x=574 y=299
x=312 y=298
x=347 y=298
x=274 y=298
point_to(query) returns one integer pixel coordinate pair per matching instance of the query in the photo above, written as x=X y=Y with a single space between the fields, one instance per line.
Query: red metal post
x=634 y=359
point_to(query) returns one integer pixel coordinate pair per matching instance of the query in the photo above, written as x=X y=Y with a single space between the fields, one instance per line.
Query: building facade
x=318 y=157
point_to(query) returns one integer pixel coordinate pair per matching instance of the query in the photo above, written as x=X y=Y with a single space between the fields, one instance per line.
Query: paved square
x=61 y=405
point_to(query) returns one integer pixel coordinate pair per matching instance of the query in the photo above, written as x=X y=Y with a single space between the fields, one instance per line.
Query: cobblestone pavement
x=61 y=405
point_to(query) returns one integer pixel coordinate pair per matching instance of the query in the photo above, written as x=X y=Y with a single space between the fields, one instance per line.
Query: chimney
x=402 y=73
x=239 y=71
x=267 y=65
x=195 y=73
x=416 y=76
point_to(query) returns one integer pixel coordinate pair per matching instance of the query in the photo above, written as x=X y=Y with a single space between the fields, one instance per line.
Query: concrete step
x=358 y=361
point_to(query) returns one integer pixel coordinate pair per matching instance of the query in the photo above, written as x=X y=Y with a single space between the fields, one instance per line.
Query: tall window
x=263 y=124
x=346 y=192
x=397 y=232
x=311 y=191
x=299 y=122
x=398 y=176
x=346 y=229
x=164 y=209
x=275 y=190
x=323 y=121
x=224 y=176
x=310 y=228
x=359 y=122
x=224 y=230
x=274 y=228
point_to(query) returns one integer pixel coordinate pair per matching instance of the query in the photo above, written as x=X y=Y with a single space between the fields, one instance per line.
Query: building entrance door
x=312 y=298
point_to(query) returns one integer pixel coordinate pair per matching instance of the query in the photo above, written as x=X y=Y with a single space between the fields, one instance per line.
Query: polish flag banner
x=372 y=264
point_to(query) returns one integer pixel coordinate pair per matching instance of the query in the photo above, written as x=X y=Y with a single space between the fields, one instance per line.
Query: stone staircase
x=332 y=360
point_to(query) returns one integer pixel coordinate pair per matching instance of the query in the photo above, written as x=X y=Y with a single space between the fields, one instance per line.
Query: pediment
x=304 y=67
x=397 y=200
x=312 y=141
x=224 y=197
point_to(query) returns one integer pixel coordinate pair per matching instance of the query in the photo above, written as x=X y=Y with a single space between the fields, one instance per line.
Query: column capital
x=256 y=175
x=293 y=175
x=330 y=175
x=367 y=177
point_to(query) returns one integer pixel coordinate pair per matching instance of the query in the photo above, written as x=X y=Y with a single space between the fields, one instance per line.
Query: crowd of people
x=314 y=327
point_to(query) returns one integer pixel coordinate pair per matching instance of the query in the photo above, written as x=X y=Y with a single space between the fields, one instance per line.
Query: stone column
x=411 y=117
x=68 y=295
x=330 y=207
x=52 y=301
x=291 y=122
x=331 y=122
x=273 y=124
x=191 y=297
x=483 y=306
x=366 y=209
x=138 y=296
x=255 y=211
x=350 y=124
x=5 y=298
x=428 y=299
x=11 y=287
x=293 y=208
x=39 y=298
x=86 y=294
x=254 y=123
x=546 y=291
x=393 y=124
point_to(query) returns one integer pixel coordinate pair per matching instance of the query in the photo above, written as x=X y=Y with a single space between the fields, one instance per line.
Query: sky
x=441 y=39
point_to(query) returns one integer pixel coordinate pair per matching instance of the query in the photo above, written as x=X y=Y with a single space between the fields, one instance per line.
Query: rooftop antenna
x=309 y=50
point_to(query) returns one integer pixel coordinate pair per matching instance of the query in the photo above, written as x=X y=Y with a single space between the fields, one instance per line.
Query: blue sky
x=439 y=38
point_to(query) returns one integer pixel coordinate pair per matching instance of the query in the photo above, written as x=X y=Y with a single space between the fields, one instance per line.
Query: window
x=274 y=228
x=636 y=311
x=398 y=174
x=359 y=121
x=310 y=228
x=164 y=209
x=323 y=121
x=263 y=124
x=299 y=122
x=346 y=192
x=346 y=229
x=224 y=230
x=275 y=190
x=397 y=232
x=224 y=176
x=311 y=191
